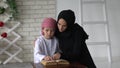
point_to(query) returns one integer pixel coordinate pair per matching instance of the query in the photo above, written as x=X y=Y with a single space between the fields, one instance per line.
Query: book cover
x=55 y=62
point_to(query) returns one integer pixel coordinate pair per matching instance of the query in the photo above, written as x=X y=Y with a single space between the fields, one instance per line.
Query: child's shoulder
x=40 y=38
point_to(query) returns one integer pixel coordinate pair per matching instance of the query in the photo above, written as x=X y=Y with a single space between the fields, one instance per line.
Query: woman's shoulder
x=77 y=26
x=80 y=31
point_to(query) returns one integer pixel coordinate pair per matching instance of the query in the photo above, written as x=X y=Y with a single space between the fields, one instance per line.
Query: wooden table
x=72 y=65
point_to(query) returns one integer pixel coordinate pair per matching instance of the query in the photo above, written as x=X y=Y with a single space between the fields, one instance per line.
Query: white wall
x=69 y=4
x=113 y=17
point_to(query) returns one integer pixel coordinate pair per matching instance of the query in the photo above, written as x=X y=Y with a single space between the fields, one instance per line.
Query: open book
x=55 y=62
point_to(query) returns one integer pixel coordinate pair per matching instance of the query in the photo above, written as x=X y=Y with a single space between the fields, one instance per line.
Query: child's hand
x=56 y=56
x=47 y=58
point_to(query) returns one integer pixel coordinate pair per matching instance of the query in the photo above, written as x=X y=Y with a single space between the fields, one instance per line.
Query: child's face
x=48 y=32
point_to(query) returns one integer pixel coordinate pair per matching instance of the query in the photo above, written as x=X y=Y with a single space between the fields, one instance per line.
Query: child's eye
x=47 y=30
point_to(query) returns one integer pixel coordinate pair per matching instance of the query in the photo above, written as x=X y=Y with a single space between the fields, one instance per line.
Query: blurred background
x=100 y=19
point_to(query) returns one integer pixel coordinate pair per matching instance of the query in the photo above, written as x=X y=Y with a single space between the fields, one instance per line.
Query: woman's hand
x=48 y=58
x=56 y=56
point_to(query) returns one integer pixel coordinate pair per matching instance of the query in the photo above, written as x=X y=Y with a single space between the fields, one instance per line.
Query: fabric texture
x=72 y=41
x=49 y=22
x=45 y=47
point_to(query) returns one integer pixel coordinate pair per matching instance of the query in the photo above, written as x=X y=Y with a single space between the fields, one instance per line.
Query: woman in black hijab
x=72 y=39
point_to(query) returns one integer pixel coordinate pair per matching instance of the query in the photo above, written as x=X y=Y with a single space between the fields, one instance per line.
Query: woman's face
x=62 y=25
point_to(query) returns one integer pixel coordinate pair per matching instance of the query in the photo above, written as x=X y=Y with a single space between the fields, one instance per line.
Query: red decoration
x=4 y=35
x=1 y=24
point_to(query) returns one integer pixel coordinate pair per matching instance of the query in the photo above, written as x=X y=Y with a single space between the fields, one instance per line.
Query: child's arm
x=38 y=51
x=57 y=54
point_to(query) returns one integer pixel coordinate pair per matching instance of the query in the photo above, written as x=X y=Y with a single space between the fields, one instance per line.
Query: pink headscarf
x=49 y=23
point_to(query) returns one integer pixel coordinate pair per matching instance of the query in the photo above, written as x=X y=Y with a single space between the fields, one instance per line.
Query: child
x=46 y=46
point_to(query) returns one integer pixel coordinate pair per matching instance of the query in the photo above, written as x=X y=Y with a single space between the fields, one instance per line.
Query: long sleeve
x=38 y=52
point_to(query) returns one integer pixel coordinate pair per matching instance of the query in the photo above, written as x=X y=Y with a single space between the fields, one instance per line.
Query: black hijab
x=69 y=17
